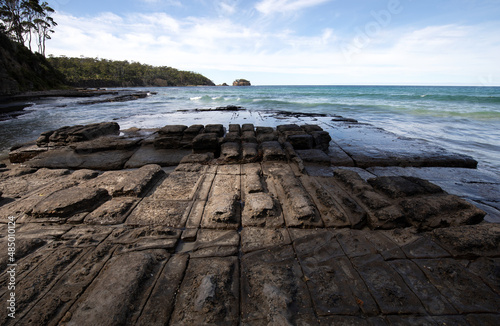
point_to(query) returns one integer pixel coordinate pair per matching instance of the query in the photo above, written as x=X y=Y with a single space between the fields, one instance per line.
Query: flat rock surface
x=271 y=242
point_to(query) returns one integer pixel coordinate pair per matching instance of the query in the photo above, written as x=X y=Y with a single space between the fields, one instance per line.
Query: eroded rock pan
x=245 y=225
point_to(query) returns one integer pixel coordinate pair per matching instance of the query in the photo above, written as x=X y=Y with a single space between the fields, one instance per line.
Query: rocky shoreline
x=13 y=105
x=249 y=225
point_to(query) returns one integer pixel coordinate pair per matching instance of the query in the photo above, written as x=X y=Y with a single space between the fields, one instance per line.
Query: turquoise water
x=462 y=119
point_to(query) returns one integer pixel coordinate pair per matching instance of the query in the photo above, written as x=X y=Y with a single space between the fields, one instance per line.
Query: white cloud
x=436 y=54
x=272 y=6
x=227 y=8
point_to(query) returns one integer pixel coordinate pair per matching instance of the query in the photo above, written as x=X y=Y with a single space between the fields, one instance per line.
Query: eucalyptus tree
x=27 y=20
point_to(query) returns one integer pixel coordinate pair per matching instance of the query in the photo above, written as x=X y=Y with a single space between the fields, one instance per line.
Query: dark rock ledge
x=249 y=226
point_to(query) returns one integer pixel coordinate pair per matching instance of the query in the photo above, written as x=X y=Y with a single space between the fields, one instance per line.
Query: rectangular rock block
x=273 y=287
x=223 y=206
x=272 y=151
x=253 y=238
x=464 y=290
x=261 y=209
x=434 y=302
x=151 y=211
x=178 y=186
x=164 y=291
x=387 y=287
x=298 y=208
x=114 y=211
x=209 y=293
x=64 y=203
x=134 y=183
x=107 y=301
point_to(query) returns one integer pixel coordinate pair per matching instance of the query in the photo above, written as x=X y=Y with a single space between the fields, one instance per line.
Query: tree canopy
x=94 y=72
x=27 y=22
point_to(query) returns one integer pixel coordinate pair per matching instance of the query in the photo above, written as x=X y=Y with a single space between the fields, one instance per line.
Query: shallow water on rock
x=462 y=119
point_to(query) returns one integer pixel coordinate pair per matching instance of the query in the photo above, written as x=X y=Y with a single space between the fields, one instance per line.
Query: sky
x=292 y=42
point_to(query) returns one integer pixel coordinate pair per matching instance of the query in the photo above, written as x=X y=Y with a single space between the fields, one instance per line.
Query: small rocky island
x=241 y=82
x=247 y=225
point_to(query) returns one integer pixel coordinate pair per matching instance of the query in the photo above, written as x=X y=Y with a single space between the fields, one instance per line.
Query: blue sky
x=282 y=42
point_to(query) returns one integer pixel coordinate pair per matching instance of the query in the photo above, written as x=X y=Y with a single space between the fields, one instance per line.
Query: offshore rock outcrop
x=241 y=82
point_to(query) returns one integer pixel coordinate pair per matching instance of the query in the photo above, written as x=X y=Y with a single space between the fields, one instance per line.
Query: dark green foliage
x=22 y=70
x=93 y=72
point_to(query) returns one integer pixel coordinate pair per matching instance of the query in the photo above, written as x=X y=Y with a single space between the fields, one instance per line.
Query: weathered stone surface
x=172 y=130
x=230 y=152
x=65 y=203
x=272 y=151
x=193 y=130
x=439 y=211
x=47 y=272
x=164 y=291
x=261 y=210
x=152 y=211
x=488 y=269
x=321 y=140
x=223 y=206
x=434 y=302
x=128 y=183
x=105 y=144
x=298 y=208
x=247 y=127
x=206 y=142
x=253 y=238
x=178 y=186
x=272 y=288
x=67 y=158
x=334 y=284
x=252 y=183
x=20 y=184
x=385 y=247
x=170 y=142
x=218 y=129
x=53 y=306
x=248 y=137
x=304 y=272
x=301 y=141
x=222 y=212
x=232 y=137
x=387 y=287
x=311 y=128
x=424 y=247
x=338 y=156
x=329 y=205
x=147 y=154
x=470 y=241
x=314 y=156
x=289 y=127
x=209 y=293
x=465 y=291
x=250 y=152
x=26 y=153
x=234 y=128
x=78 y=133
x=114 y=211
x=108 y=300
x=354 y=243
x=396 y=187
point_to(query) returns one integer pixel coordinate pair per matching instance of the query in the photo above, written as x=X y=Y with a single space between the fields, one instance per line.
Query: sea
x=461 y=119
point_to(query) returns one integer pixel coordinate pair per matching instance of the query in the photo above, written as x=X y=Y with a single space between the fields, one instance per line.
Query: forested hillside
x=93 y=72
x=22 y=70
